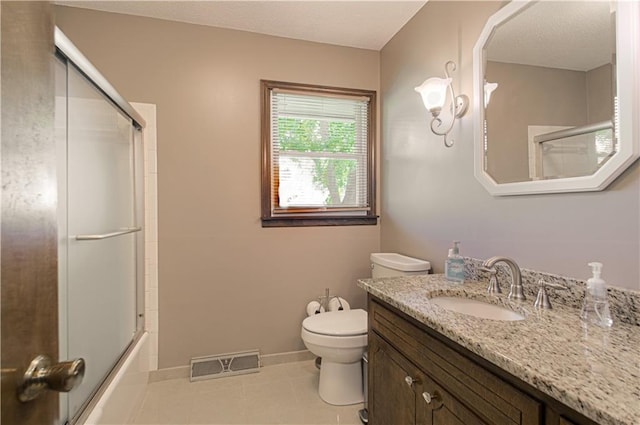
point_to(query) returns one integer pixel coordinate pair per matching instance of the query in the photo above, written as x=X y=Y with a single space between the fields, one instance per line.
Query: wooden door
x=29 y=221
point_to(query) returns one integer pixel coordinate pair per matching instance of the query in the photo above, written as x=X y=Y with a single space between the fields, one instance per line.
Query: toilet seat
x=337 y=323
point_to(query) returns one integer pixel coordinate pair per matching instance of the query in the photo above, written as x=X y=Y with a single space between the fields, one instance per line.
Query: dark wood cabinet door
x=392 y=400
x=435 y=406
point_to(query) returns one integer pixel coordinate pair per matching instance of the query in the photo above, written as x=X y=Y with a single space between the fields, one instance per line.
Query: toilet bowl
x=340 y=338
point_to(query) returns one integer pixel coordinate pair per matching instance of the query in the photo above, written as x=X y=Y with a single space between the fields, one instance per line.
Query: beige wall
x=533 y=95
x=600 y=87
x=430 y=195
x=225 y=283
x=528 y=95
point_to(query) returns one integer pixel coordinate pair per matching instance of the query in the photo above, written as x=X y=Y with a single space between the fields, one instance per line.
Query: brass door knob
x=41 y=375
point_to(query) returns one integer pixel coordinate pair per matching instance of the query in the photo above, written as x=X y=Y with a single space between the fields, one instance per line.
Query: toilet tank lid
x=337 y=323
x=399 y=262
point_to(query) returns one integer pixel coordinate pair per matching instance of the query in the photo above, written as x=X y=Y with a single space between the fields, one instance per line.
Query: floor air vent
x=224 y=365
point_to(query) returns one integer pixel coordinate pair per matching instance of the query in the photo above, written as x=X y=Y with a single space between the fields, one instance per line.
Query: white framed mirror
x=557 y=96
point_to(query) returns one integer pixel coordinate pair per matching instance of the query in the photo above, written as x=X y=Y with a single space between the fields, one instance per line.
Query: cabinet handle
x=410 y=381
x=428 y=397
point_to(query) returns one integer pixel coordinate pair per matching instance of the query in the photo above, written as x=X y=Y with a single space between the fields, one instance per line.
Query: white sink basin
x=476 y=308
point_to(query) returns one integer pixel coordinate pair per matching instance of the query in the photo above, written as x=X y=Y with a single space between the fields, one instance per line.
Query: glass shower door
x=101 y=242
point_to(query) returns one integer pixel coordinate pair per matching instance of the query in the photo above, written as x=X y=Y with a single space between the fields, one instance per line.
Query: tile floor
x=279 y=394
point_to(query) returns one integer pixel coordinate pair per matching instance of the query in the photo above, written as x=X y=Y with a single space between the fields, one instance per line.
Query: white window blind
x=319 y=153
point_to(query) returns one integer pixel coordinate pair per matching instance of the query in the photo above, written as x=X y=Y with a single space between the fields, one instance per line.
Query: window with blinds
x=317 y=151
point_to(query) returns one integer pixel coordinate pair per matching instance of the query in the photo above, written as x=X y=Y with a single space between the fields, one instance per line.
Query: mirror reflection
x=552 y=113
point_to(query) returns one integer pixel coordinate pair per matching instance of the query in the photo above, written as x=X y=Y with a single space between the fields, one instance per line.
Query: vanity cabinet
x=417 y=376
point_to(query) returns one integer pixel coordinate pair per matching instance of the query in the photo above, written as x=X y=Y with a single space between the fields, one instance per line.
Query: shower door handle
x=41 y=375
x=108 y=235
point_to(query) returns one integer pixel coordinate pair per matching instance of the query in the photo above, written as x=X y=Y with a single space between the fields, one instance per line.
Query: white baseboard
x=290 y=357
x=169 y=373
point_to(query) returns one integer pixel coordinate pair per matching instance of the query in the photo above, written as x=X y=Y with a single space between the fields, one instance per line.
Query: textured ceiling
x=569 y=35
x=363 y=24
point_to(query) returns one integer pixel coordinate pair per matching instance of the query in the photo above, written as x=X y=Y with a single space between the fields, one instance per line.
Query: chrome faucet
x=515 y=292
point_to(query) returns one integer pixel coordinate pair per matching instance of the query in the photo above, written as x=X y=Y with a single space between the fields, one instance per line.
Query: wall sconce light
x=434 y=97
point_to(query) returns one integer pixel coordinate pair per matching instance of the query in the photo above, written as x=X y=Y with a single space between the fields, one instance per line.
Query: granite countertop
x=594 y=371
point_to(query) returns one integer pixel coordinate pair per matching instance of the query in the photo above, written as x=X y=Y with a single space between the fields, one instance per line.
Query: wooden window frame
x=312 y=217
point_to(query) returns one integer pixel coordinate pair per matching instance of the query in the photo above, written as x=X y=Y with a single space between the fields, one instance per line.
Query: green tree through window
x=337 y=176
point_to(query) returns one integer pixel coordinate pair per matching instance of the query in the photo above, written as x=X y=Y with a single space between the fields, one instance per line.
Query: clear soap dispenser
x=595 y=307
x=454 y=266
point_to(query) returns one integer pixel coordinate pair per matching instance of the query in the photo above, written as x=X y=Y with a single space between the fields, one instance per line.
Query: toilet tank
x=389 y=264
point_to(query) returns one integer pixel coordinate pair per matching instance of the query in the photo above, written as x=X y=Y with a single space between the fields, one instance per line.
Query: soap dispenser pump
x=595 y=307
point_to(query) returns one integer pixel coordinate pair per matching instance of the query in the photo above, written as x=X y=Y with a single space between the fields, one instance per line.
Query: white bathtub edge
x=124 y=395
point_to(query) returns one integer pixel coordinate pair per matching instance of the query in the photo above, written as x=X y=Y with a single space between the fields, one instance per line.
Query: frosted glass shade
x=488 y=89
x=434 y=93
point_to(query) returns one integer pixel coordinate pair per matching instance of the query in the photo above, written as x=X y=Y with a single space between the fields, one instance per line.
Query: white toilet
x=340 y=337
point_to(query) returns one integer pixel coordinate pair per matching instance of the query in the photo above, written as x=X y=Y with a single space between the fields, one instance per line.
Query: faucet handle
x=494 y=286
x=542 y=300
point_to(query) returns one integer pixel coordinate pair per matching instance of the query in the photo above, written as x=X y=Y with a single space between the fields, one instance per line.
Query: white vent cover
x=224 y=365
